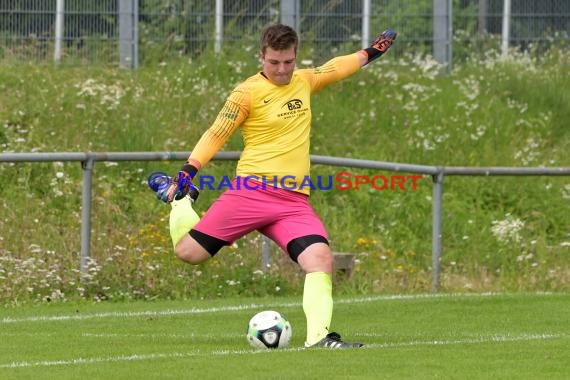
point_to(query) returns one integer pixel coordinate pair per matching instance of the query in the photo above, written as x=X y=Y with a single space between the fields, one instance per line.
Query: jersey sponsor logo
x=292 y=108
x=265 y=101
x=293 y=104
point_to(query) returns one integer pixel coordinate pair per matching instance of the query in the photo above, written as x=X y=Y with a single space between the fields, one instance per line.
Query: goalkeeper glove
x=179 y=186
x=380 y=45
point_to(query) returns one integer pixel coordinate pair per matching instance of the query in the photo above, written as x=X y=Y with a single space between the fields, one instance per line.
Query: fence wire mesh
x=188 y=28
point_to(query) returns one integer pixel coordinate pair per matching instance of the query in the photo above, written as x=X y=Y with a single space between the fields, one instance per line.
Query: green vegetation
x=500 y=233
x=425 y=337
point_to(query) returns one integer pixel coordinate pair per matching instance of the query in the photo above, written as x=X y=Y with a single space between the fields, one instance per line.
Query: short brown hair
x=279 y=37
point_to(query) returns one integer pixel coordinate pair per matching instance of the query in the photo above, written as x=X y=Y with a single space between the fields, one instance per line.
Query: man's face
x=278 y=65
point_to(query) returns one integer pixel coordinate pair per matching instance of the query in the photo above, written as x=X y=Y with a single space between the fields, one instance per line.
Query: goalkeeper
x=272 y=109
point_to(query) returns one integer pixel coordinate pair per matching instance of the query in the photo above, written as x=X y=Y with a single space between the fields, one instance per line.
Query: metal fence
x=133 y=32
x=437 y=173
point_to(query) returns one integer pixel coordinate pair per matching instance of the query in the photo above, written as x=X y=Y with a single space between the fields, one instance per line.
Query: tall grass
x=498 y=233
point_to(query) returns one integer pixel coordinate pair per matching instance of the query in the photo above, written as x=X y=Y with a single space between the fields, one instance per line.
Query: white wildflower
x=507 y=230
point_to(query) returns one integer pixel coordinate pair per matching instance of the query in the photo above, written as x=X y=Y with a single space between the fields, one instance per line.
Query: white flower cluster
x=508 y=230
x=109 y=96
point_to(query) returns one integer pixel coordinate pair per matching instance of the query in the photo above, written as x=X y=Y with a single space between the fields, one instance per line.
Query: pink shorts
x=281 y=215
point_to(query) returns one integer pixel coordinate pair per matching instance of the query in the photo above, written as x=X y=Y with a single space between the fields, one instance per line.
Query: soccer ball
x=269 y=329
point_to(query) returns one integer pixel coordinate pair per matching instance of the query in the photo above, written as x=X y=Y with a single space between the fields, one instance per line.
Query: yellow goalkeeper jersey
x=275 y=121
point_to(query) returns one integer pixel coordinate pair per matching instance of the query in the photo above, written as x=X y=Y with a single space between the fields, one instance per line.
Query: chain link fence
x=100 y=32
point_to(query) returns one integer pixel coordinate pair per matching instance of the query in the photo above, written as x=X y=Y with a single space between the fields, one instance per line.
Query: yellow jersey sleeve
x=332 y=71
x=232 y=114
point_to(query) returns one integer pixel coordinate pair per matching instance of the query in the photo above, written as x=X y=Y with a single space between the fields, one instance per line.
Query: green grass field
x=468 y=336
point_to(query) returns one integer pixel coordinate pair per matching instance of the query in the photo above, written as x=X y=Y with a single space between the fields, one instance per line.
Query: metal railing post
x=436 y=230
x=59 y=16
x=506 y=28
x=265 y=253
x=87 y=167
x=365 y=24
x=128 y=33
x=219 y=35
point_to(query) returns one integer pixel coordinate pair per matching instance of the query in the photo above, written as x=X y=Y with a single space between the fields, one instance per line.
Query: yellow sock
x=182 y=219
x=317 y=305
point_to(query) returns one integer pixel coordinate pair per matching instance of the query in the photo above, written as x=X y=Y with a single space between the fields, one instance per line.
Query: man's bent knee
x=190 y=251
x=298 y=245
x=316 y=258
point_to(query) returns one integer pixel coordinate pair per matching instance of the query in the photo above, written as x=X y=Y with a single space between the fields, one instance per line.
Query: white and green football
x=269 y=329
